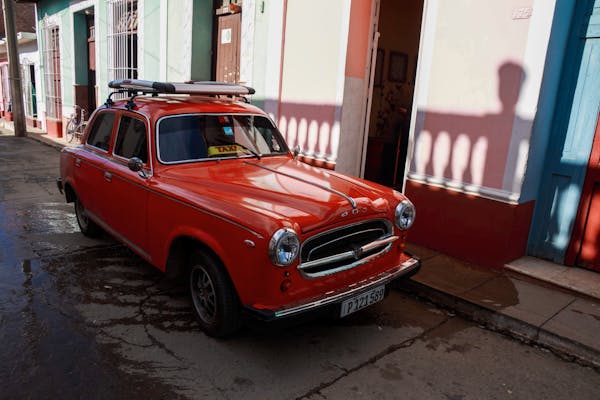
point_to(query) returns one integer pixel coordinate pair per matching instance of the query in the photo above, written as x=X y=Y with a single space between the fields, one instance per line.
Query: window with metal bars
x=51 y=35
x=122 y=39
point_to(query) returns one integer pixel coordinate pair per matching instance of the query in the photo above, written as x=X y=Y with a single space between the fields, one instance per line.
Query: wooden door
x=584 y=249
x=228 y=48
x=571 y=137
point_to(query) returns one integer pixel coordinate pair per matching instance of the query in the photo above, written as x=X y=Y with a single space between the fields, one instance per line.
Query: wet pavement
x=82 y=318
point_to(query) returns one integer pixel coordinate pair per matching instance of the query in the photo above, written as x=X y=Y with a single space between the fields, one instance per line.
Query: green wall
x=202 y=29
x=152 y=30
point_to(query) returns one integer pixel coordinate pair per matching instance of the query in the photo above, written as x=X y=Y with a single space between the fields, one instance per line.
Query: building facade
x=484 y=113
x=25 y=23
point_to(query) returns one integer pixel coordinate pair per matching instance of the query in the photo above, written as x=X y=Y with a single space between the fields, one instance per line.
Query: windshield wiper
x=254 y=153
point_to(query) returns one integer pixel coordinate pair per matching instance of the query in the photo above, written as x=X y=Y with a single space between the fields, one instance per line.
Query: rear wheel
x=213 y=296
x=86 y=225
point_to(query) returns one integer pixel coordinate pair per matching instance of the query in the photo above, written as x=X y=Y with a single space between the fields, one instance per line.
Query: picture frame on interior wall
x=378 y=79
x=398 y=66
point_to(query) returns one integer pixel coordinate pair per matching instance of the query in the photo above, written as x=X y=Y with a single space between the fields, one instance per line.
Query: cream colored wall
x=315 y=39
x=473 y=39
x=480 y=70
x=314 y=60
x=179 y=41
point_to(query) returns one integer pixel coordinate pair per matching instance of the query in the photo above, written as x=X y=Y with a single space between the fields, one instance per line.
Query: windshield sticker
x=217 y=150
x=228 y=131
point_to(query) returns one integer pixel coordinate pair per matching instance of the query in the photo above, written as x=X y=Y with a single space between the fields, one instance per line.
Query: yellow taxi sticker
x=225 y=149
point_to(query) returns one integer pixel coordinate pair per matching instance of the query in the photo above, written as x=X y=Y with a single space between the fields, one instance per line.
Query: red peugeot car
x=199 y=182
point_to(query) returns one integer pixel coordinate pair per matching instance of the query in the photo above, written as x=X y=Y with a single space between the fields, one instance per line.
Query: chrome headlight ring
x=404 y=216
x=284 y=247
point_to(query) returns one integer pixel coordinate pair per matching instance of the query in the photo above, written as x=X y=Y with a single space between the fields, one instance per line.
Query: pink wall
x=358 y=38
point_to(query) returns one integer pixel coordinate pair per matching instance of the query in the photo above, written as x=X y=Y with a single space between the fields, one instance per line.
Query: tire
x=213 y=296
x=88 y=227
x=71 y=129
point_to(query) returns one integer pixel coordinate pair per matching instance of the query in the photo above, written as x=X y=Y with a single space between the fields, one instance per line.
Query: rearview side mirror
x=137 y=165
x=296 y=151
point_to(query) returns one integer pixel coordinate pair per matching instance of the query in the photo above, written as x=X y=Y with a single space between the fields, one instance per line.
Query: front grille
x=344 y=248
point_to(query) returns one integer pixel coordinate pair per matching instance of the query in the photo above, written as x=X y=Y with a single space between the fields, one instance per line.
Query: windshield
x=186 y=138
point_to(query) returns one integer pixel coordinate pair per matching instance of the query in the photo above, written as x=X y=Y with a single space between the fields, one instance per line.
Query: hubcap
x=203 y=294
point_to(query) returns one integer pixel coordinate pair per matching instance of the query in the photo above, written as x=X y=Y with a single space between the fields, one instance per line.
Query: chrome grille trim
x=347 y=258
x=348 y=254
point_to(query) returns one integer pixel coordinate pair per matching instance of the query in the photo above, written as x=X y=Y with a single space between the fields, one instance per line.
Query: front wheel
x=86 y=225
x=215 y=301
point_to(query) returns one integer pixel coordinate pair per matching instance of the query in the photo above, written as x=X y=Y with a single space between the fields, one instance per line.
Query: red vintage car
x=198 y=182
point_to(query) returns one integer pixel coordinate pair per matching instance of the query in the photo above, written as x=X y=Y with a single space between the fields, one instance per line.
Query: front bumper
x=336 y=297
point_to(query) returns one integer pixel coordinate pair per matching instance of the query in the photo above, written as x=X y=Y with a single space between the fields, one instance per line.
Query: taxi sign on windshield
x=224 y=149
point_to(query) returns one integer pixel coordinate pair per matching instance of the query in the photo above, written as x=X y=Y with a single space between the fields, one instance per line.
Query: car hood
x=282 y=188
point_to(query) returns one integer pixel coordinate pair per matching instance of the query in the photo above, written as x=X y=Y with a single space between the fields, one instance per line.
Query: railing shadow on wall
x=315 y=128
x=476 y=152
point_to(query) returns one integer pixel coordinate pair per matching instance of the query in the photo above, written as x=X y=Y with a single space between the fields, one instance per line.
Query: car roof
x=156 y=107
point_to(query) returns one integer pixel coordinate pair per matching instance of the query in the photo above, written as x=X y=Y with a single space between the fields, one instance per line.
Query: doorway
x=228 y=41
x=399 y=26
x=85 y=59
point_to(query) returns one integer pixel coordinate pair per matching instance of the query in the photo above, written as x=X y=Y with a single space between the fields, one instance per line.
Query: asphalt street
x=82 y=318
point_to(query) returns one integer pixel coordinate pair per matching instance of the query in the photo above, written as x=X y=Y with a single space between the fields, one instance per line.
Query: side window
x=100 y=133
x=131 y=139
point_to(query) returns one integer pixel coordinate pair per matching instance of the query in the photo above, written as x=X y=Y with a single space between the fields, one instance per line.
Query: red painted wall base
x=54 y=128
x=31 y=122
x=468 y=227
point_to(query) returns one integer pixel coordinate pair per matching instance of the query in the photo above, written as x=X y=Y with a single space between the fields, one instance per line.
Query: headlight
x=284 y=247
x=405 y=215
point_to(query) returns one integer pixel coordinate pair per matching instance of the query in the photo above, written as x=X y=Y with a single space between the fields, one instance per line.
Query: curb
x=43 y=140
x=515 y=328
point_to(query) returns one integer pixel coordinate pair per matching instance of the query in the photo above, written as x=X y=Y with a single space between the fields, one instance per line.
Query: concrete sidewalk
x=559 y=319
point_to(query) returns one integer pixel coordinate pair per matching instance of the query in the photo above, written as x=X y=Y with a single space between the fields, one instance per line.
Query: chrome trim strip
x=335 y=296
x=117 y=235
x=345 y=196
x=345 y=256
x=385 y=221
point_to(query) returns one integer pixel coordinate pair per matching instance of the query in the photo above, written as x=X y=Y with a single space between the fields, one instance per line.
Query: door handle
x=107 y=176
x=78 y=162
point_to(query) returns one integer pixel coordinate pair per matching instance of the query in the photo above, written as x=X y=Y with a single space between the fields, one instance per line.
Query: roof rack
x=190 y=87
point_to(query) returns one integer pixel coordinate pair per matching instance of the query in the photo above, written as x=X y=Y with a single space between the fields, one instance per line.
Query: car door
x=89 y=164
x=125 y=205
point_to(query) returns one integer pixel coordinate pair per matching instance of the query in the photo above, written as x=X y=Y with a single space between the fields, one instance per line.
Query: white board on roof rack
x=192 y=87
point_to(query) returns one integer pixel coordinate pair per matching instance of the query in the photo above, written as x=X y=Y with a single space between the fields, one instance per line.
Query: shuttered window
x=53 y=97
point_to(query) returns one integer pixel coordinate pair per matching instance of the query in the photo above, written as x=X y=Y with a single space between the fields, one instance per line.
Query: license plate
x=362 y=300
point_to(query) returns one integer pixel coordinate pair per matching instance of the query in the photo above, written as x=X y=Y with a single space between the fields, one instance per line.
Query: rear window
x=101 y=130
x=188 y=138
